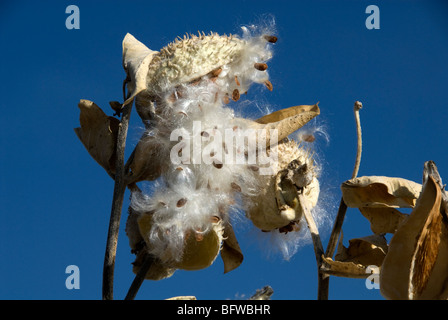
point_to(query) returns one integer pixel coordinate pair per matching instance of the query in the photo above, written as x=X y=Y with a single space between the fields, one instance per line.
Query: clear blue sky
x=55 y=200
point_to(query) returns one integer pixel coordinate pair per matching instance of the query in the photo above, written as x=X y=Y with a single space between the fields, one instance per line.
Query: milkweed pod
x=416 y=264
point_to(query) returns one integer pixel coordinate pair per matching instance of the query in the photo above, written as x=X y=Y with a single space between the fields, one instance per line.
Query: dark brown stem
x=139 y=277
x=117 y=204
x=317 y=243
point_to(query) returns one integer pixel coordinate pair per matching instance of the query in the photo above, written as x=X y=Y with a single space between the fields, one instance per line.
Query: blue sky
x=55 y=200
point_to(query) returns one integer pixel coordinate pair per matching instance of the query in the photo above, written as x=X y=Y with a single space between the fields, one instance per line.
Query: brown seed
x=271 y=39
x=235 y=187
x=205 y=134
x=236 y=81
x=216 y=72
x=225 y=99
x=181 y=202
x=269 y=85
x=217 y=164
x=235 y=95
x=254 y=168
x=214 y=219
x=224 y=146
x=260 y=66
x=309 y=138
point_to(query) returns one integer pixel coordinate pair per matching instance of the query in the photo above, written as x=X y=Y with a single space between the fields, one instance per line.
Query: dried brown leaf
x=383 y=220
x=379 y=191
x=353 y=262
x=136 y=60
x=98 y=133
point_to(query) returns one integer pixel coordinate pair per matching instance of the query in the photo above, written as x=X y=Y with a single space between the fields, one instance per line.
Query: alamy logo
x=373 y=20
x=72 y=21
x=225 y=146
x=72 y=281
x=373 y=280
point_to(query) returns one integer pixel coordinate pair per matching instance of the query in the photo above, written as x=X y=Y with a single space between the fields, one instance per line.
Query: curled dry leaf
x=383 y=220
x=417 y=262
x=98 y=133
x=379 y=191
x=353 y=262
x=136 y=60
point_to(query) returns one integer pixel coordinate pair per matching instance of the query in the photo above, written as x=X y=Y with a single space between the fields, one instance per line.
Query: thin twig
x=117 y=204
x=324 y=283
x=139 y=277
x=317 y=243
x=357 y=107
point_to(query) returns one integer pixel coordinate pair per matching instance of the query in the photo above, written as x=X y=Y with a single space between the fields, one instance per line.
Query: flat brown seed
x=217 y=164
x=216 y=72
x=225 y=99
x=181 y=202
x=254 y=168
x=235 y=95
x=269 y=85
x=260 y=66
x=271 y=39
x=236 y=81
x=235 y=187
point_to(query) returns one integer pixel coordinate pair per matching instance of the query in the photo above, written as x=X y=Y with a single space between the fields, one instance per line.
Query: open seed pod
x=227 y=60
x=264 y=210
x=417 y=262
x=199 y=251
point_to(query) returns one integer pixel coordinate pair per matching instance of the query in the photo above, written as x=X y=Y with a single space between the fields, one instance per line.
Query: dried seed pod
x=415 y=266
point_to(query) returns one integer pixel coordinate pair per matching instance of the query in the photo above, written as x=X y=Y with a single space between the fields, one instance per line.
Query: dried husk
x=148 y=160
x=98 y=133
x=417 y=262
x=380 y=191
x=353 y=262
x=231 y=253
x=264 y=211
x=284 y=122
x=383 y=220
x=136 y=60
x=199 y=251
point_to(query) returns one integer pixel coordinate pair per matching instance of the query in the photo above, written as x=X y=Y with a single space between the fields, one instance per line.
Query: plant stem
x=324 y=280
x=318 y=248
x=117 y=204
x=139 y=277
